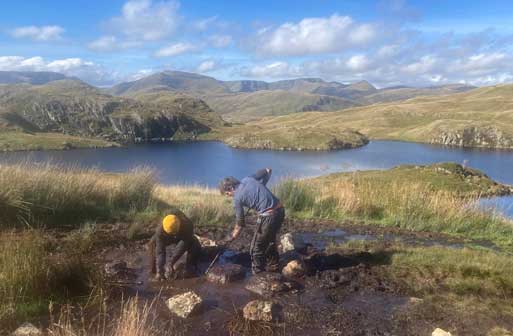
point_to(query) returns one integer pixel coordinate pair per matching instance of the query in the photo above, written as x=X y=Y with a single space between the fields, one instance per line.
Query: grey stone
x=184 y=305
x=259 y=310
x=269 y=284
x=27 y=329
x=291 y=242
x=440 y=332
x=227 y=273
x=294 y=269
x=115 y=267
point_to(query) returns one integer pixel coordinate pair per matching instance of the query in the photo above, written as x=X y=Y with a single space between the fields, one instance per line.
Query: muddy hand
x=160 y=277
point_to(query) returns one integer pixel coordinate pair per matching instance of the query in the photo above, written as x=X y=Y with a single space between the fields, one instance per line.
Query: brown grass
x=48 y=195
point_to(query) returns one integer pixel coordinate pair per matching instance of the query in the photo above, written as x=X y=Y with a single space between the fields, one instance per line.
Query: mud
x=340 y=295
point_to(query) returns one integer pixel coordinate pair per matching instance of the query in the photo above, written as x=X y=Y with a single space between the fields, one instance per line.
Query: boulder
x=440 y=332
x=27 y=329
x=227 y=273
x=115 y=267
x=259 y=310
x=269 y=284
x=292 y=242
x=184 y=305
x=294 y=269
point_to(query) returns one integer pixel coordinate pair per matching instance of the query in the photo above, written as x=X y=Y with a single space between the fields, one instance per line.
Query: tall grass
x=30 y=278
x=410 y=206
x=204 y=206
x=134 y=318
x=52 y=195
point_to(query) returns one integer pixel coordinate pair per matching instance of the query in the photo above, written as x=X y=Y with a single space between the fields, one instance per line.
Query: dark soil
x=346 y=294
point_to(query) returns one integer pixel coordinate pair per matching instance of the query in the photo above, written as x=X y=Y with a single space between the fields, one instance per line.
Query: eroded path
x=345 y=293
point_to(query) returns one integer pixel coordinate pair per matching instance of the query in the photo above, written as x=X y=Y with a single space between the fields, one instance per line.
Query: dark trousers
x=263 y=247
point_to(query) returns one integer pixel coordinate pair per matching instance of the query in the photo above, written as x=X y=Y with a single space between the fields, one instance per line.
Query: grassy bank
x=46 y=195
x=478 y=118
x=422 y=205
x=447 y=284
x=20 y=141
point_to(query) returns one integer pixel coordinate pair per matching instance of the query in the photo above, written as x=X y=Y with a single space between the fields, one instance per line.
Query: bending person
x=252 y=192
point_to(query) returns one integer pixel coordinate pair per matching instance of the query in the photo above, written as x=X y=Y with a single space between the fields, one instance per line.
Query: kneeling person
x=176 y=229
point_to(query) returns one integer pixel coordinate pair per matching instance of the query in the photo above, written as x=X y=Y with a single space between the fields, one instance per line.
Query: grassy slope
x=419 y=119
x=242 y=107
x=448 y=177
x=70 y=106
x=17 y=141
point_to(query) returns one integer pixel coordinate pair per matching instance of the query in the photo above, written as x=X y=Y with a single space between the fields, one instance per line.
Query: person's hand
x=169 y=272
x=160 y=277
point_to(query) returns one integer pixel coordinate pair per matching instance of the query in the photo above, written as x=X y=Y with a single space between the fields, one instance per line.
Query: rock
x=227 y=273
x=414 y=300
x=440 y=332
x=27 y=329
x=184 y=305
x=290 y=242
x=294 y=269
x=115 y=267
x=259 y=310
x=269 y=284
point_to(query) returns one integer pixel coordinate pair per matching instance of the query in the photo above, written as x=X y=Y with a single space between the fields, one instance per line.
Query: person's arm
x=263 y=175
x=180 y=249
x=239 y=219
x=161 y=255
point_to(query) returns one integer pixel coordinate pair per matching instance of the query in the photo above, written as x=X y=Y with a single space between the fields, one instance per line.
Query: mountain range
x=311 y=112
x=246 y=100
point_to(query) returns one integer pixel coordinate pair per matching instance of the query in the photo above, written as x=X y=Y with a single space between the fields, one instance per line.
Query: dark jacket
x=253 y=193
x=184 y=239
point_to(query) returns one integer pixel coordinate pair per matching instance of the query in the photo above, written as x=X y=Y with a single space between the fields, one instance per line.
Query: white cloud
x=206 y=66
x=176 y=49
x=204 y=24
x=111 y=43
x=220 y=41
x=85 y=70
x=42 y=33
x=145 y=20
x=270 y=70
x=314 y=36
x=358 y=62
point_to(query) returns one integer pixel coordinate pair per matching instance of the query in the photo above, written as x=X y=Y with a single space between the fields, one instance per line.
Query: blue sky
x=387 y=42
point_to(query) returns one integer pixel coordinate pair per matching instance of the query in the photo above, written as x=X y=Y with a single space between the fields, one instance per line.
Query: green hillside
x=478 y=118
x=254 y=105
x=72 y=108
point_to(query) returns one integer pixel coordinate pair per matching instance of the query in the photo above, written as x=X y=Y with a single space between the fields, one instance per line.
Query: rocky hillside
x=245 y=100
x=478 y=118
x=74 y=108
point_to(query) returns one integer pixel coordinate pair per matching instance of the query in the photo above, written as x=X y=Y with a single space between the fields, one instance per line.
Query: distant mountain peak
x=30 y=77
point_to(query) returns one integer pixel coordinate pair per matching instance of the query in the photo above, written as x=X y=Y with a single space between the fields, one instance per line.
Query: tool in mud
x=221 y=251
x=125 y=283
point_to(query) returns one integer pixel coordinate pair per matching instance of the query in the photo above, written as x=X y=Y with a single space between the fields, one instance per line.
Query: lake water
x=206 y=163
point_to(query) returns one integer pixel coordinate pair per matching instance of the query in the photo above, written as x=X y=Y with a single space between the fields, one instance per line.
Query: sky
x=386 y=42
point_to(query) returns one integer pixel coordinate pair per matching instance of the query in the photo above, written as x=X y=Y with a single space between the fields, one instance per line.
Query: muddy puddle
x=333 y=237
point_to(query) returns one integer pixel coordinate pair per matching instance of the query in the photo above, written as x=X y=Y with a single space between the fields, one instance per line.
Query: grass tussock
x=30 y=278
x=204 y=206
x=49 y=195
x=134 y=317
x=411 y=206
